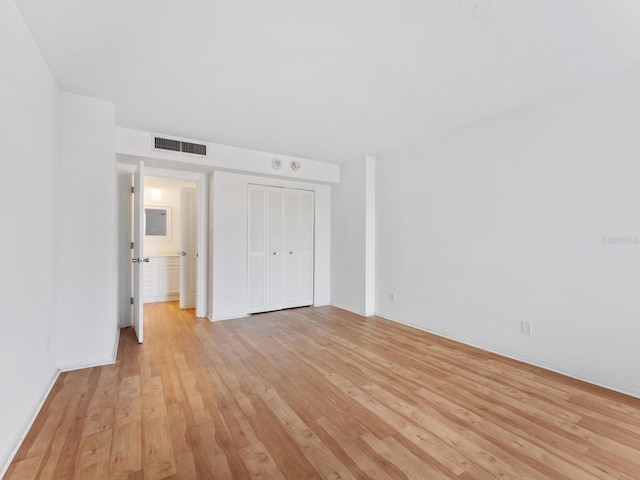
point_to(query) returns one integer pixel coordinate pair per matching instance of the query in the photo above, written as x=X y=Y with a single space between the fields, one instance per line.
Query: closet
x=281 y=256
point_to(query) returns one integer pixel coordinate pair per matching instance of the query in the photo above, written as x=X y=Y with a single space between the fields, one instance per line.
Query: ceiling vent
x=160 y=143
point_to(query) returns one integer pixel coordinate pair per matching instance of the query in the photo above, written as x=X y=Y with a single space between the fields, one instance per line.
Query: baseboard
x=228 y=317
x=13 y=453
x=517 y=357
x=161 y=298
x=116 y=346
x=342 y=307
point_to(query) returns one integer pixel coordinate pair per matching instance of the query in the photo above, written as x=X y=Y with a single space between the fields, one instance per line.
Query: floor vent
x=160 y=143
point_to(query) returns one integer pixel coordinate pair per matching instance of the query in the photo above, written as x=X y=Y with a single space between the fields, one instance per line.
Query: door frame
x=186 y=252
x=125 y=215
x=202 y=200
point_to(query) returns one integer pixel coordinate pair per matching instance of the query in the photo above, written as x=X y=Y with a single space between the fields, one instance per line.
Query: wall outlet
x=392 y=297
x=526 y=328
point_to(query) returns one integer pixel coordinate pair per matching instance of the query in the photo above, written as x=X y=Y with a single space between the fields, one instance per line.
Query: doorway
x=133 y=261
x=170 y=237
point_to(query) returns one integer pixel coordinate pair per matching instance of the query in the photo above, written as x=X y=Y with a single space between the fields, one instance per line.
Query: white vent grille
x=160 y=143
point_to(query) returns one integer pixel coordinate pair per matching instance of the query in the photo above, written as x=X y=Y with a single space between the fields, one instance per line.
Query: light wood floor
x=322 y=393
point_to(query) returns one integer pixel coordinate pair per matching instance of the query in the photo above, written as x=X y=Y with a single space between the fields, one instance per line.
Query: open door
x=188 y=247
x=138 y=239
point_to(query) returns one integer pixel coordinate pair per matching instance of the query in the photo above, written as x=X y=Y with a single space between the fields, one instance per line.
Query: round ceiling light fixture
x=295 y=165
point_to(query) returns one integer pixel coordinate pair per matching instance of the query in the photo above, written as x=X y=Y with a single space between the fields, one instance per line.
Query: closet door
x=305 y=255
x=273 y=277
x=257 y=247
x=281 y=250
x=290 y=254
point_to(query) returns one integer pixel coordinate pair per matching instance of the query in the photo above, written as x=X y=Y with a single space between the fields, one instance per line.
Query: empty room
x=338 y=239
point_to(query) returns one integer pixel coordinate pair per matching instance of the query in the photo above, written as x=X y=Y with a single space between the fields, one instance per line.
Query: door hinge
x=131 y=300
x=132 y=190
x=131 y=245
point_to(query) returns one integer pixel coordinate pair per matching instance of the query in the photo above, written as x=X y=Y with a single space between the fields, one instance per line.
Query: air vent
x=160 y=143
x=194 y=148
x=167 y=144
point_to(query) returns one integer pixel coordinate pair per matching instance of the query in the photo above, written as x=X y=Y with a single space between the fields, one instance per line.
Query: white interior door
x=305 y=255
x=290 y=227
x=257 y=247
x=188 y=247
x=138 y=257
x=125 y=238
x=273 y=274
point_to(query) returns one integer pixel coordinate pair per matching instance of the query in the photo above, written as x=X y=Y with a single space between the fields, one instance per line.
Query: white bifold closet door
x=281 y=222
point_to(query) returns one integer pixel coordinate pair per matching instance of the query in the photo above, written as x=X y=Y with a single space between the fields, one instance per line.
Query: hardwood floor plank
x=126 y=449
x=324 y=461
x=259 y=463
x=158 y=455
x=26 y=469
x=322 y=393
x=408 y=463
x=367 y=464
x=93 y=455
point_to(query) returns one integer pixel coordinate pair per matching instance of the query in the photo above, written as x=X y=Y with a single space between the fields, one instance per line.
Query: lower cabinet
x=161 y=279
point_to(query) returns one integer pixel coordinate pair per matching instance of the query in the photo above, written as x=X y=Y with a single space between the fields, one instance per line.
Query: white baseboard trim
x=71 y=368
x=519 y=358
x=348 y=309
x=161 y=298
x=5 y=467
x=116 y=345
x=229 y=317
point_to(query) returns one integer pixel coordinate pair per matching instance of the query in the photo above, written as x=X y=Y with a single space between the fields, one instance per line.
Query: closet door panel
x=257 y=247
x=290 y=253
x=306 y=248
x=273 y=277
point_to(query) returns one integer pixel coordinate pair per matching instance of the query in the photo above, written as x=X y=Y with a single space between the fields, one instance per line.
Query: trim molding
x=342 y=307
x=229 y=317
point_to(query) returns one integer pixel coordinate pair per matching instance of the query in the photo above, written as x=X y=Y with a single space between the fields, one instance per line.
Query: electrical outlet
x=526 y=328
x=392 y=297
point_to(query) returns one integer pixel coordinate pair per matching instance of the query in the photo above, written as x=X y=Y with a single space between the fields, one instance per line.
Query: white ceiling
x=330 y=80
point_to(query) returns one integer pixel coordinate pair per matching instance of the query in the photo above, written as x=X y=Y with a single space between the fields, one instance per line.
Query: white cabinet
x=281 y=255
x=161 y=279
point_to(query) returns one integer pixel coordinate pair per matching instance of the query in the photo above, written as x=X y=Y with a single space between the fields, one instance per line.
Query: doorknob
x=182 y=254
x=140 y=260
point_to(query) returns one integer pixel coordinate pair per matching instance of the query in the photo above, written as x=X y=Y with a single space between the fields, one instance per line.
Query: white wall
x=353 y=237
x=348 y=219
x=503 y=222
x=229 y=228
x=86 y=232
x=28 y=134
